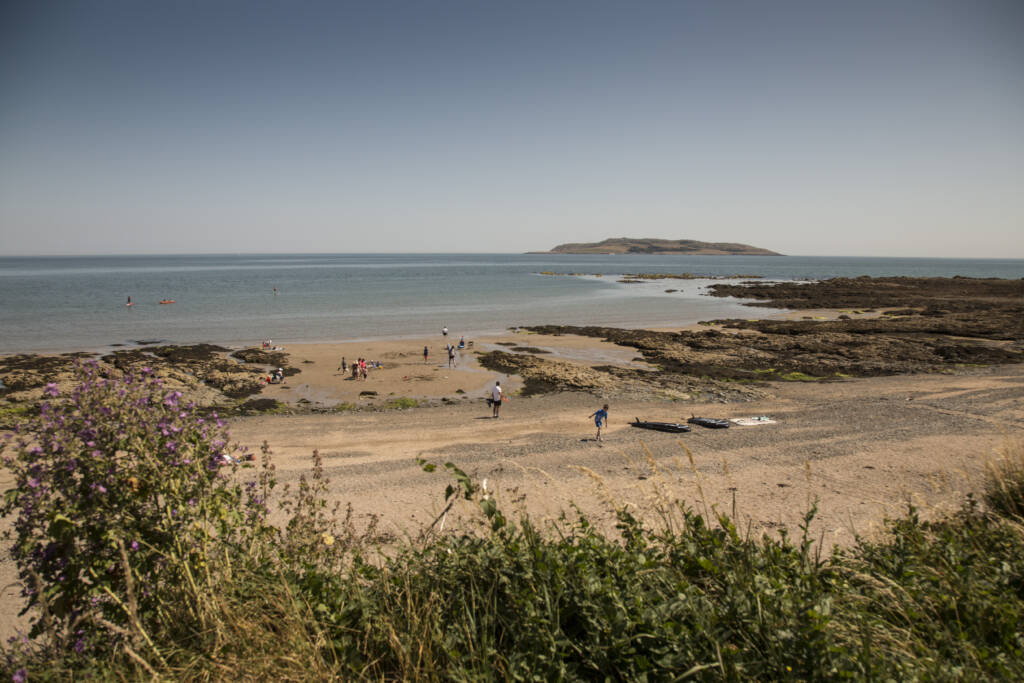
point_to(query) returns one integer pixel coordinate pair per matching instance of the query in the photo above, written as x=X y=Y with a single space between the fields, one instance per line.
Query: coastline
x=321 y=384
x=70 y=304
x=911 y=428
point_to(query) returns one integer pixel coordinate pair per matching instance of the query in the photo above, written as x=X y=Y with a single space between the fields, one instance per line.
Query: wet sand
x=405 y=374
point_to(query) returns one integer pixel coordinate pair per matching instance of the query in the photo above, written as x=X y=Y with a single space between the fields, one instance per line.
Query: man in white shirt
x=496 y=397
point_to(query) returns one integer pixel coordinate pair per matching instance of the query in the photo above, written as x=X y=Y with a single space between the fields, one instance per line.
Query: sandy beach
x=405 y=373
x=863 y=448
x=860 y=448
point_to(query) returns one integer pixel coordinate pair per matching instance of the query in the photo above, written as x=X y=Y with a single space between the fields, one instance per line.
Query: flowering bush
x=123 y=505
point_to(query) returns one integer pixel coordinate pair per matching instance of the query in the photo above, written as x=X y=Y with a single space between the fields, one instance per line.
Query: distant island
x=646 y=245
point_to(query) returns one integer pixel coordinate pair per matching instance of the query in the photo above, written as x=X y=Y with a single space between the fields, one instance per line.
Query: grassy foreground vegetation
x=144 y=555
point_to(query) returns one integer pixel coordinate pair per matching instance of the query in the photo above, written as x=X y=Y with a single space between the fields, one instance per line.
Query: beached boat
x=660 y=426
x=709 y=422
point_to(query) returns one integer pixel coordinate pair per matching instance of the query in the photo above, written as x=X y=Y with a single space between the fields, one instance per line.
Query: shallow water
x=71 y=303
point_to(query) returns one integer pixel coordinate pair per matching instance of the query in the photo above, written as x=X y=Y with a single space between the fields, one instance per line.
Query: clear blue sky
x=889 y=127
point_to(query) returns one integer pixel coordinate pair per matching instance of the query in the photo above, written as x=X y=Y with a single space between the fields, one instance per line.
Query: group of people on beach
x=360 y=367
x=448 y=347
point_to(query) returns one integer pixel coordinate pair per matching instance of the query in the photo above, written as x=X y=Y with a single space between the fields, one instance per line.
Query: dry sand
x=861 y=448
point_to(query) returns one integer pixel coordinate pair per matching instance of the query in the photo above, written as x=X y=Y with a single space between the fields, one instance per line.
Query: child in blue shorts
x=600 y=416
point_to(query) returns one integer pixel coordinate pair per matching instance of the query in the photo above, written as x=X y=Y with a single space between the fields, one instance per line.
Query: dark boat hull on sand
x=709 y=422
x=661 y=426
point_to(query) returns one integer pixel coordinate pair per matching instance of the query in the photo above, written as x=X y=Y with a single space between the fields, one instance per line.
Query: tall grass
x=689 y=597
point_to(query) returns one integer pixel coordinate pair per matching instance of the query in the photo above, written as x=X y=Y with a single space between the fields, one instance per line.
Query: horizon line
x=478 y=253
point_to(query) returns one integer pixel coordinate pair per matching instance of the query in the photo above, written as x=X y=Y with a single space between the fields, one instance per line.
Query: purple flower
x=51 y=390
x=33 y=483
x=79 y=645
x=135 y=545
x=172 y=398
x=20 y=676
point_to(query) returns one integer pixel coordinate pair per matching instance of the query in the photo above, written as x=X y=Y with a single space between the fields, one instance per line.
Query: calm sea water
x=71 y=303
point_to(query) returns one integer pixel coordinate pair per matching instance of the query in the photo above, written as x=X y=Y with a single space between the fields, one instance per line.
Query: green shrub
x=1004 y=491
x=120 y=500
x=401 y=403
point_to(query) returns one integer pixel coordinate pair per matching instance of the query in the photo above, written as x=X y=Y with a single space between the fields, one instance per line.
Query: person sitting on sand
x=600 y=416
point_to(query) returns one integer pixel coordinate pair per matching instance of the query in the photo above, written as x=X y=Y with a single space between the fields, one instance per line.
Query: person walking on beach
x=344 y=366
x=426 y=354
x=600 y=416
x=496 y=398
x=451 y=355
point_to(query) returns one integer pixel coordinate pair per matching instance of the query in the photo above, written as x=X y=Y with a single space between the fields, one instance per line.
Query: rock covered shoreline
x=929 y=325
x=208 y=375
x=932 y=325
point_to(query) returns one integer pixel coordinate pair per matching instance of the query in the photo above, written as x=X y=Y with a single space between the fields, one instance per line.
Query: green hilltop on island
x=647 y=245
